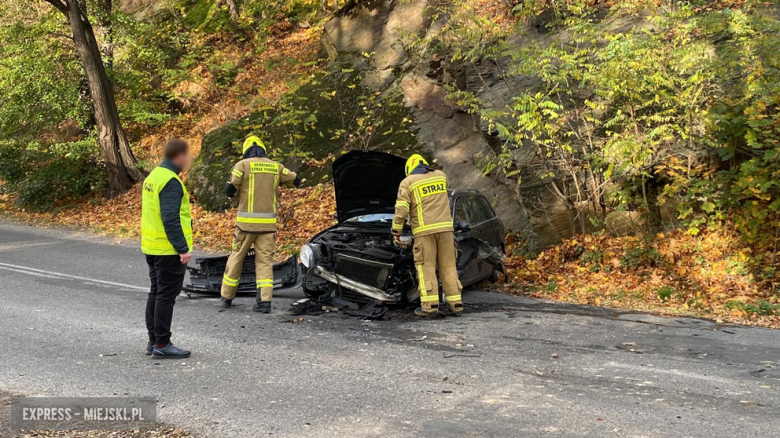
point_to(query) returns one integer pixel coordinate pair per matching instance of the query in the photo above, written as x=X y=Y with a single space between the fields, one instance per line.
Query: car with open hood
x=357 y=259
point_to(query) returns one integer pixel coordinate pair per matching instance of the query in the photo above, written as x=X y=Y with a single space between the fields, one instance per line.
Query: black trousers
x=167 y=275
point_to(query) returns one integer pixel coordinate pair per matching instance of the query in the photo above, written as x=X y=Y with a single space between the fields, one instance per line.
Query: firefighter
x=255 y=179
x=422 y=196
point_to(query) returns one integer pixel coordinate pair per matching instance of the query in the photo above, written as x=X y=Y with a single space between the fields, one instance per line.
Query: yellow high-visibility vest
x=154 y=241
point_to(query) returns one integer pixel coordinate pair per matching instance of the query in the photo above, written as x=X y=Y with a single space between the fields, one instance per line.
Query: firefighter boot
x=419 y=312
x=262 y=307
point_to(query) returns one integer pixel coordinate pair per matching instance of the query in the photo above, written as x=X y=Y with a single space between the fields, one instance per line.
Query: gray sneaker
x=170 y=352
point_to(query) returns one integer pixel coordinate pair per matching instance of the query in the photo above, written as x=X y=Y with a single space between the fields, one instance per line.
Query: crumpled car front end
x=358 y=262
x=356 y=259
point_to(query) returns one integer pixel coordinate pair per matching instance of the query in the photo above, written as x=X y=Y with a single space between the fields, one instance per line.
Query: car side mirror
x=463 y=227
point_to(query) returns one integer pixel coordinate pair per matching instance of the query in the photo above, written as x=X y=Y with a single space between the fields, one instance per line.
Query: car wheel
x=413 y=294
x=313 y=294
x=494 y=276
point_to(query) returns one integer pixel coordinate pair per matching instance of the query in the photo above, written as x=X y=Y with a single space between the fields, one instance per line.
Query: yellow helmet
x=253 y=140
x=413 y=162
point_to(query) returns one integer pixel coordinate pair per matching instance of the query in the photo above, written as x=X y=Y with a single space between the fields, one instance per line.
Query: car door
x=491 y=228
x=483 y=229
x=468 y=265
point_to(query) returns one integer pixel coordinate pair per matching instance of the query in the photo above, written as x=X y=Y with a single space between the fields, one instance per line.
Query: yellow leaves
x=694 y=276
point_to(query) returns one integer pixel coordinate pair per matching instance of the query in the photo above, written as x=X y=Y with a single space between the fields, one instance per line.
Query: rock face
x=208 y=175
x=457 y=141
x=378 y=27
x=451 y=137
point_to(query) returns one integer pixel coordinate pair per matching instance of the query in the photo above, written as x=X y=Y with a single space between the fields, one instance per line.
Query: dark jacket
x=170 y=205
x=420 y=169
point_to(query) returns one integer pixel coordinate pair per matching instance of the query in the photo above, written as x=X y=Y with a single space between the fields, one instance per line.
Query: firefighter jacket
x=423 y=197
x=256 y=180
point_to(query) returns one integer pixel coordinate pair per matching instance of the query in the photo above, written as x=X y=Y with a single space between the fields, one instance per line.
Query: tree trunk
x=234 y=13
x=233 y=8
x=114 y=148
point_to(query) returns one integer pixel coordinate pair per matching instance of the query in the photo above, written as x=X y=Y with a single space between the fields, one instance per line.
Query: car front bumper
x=353 y=285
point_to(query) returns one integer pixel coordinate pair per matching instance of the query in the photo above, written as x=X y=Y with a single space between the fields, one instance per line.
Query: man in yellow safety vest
x=255 y=179
x=166 y=240
x=422 y=196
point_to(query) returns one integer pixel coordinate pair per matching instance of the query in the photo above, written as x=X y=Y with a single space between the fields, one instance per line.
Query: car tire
x=313 y=294
x=494 y=276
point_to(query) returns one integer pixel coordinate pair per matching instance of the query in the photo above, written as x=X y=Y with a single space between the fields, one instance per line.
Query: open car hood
x=366 y=182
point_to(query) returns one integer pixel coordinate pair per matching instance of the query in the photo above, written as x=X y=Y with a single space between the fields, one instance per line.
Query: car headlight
x=307 y=255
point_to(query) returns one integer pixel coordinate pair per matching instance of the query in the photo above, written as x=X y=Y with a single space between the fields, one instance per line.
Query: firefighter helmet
x=253 y=140
x=413 y=162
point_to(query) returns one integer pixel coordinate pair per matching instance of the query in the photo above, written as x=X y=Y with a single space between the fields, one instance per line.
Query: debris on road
x=374 y=310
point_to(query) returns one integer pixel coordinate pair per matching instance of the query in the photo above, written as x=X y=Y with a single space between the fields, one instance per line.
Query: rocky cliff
x=455 y=139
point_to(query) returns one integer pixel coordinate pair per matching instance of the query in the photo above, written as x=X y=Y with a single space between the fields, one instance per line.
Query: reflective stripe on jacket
x=154 y=240
x=257 y=179
x=423 y=197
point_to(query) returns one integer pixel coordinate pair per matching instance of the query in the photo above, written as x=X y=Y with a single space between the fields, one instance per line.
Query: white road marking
x=23 y=245
x=61 y=276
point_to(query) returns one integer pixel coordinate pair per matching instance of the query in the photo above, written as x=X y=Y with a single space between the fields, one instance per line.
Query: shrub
x=43 y=176
x=664 y=293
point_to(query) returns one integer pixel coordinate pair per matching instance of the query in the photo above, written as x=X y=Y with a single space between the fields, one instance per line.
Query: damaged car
x=357 y=259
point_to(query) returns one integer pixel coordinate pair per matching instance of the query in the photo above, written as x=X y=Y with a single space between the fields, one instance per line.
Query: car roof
x=457 y=192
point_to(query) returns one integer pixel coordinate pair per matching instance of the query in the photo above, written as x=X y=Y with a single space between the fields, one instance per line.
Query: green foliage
x=146 y=52
x=678 y=106
x=665 y=292
x=43 y=96
x=593 y=260
x=761 y=307
x=44 y=176
x=39 y=76
x=641 y=256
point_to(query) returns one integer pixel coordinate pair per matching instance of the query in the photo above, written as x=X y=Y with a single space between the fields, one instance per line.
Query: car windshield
x=379 y=217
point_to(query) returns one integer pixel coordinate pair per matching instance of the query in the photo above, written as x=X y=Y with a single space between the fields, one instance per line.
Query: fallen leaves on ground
x=712 y=275
x=302 y=213
x=263 y=77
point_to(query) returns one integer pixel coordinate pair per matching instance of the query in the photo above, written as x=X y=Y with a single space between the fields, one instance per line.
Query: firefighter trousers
x=432 y=251
x=264 y=244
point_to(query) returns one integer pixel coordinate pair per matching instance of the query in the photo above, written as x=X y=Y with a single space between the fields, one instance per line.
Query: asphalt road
x=71 y=324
